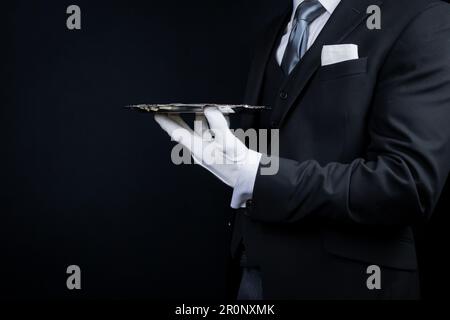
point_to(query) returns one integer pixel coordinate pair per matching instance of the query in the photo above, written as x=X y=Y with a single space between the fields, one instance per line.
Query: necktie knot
x=309 y=10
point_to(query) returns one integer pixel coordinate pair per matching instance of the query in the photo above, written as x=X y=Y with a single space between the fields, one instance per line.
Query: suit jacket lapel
x=262 y=56
x=346 y=17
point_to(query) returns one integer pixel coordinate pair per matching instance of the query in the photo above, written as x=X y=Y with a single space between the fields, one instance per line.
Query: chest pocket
x=343 y=69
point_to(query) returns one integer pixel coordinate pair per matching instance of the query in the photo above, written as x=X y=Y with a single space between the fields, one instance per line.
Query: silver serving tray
x=194 y=108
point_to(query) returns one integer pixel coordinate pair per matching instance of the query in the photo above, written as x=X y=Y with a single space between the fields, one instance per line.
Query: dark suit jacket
x=364 y=154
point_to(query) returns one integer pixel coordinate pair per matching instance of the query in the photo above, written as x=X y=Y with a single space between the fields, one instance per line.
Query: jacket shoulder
x=413 y=8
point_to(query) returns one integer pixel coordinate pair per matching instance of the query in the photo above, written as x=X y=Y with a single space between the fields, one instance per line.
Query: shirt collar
x=329 y=5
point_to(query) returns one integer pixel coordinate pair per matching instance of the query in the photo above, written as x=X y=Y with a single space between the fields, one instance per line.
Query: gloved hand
x=212 y=144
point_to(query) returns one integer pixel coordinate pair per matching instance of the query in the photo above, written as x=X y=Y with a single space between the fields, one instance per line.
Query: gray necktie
x=306 y=13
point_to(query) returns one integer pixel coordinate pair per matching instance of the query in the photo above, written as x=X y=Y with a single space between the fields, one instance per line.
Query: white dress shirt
x=243 y=190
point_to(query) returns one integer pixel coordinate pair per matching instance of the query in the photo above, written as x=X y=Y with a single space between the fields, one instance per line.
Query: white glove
x=212 y=145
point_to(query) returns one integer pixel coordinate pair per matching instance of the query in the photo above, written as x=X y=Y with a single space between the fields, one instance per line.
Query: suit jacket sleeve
x=401 y=175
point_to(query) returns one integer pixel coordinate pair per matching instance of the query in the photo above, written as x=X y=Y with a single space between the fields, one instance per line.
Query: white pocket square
x=338 y=53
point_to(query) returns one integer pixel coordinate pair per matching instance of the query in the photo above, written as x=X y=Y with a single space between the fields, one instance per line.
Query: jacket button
x=283 y=95
x=274 y=124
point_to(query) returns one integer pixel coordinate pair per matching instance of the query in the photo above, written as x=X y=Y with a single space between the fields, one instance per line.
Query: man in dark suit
x=364 y=149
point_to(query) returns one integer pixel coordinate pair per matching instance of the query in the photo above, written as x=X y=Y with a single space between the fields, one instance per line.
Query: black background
x=85 y=182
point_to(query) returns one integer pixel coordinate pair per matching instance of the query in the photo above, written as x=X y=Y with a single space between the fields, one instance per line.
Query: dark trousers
x=250 y=287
